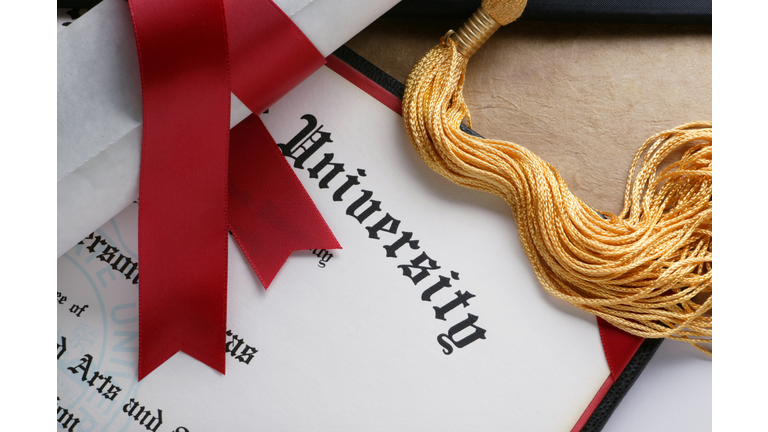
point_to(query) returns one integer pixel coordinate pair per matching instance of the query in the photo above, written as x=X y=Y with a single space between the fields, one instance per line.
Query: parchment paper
x=583 y=97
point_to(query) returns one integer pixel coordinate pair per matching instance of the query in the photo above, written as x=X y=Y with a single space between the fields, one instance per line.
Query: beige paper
x=582 y=96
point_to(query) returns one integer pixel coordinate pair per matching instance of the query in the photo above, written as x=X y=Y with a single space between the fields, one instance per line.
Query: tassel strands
x=648 y=270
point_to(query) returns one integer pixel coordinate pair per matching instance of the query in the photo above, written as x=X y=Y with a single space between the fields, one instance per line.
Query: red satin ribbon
x=183 y=220
x=260 y=179
x=183 y=183
x=268 y=53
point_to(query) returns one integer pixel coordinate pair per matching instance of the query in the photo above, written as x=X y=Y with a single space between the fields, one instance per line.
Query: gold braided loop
x=648 y=270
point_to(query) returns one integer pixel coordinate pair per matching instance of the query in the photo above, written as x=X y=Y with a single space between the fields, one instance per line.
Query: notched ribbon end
x=209 y=353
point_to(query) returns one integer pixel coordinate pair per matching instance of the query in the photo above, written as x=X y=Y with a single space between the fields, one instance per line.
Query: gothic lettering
x=324 y=256
x=123 y=264
x=64 y=417
x=373 y=208
x=84 y=368
x=143 y=415
x=108 y=254
x=336 y=169
x=246 y=354
x=107 y=380
x=238 y=349
x=62 y=347
x=416 y=264
x=96 y=376
x=96 y=242
x=233 y=345
x=128 y=266
x=300 y=148
x=77 y=310
x=373 y=230
x=351 y=181
x=85 y=365
x=287 y=148
x=297 y=147
x=443 y=339
x=112 y=392
x=461 y=299
x=405 y=238
x=444 y=282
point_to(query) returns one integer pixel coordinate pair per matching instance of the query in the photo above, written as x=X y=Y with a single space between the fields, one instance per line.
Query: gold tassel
x=647 y=271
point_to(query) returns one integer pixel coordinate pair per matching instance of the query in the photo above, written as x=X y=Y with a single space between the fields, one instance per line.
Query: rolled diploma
x=99 y=103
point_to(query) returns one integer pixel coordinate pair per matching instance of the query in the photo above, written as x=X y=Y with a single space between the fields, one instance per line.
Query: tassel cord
x=640 y=270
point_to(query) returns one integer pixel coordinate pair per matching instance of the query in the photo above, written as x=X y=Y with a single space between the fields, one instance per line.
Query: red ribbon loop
x=183 y=219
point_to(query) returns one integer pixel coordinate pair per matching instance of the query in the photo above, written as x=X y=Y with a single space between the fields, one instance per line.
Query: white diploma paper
x=342 y=340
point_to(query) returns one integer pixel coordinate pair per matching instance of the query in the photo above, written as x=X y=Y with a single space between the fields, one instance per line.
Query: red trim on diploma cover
x=184 y=54
x=619 y=346
x=365 y=84
x=593 y=404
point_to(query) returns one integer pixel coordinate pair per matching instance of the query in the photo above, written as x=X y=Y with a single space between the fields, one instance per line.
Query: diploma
x=430 y=318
